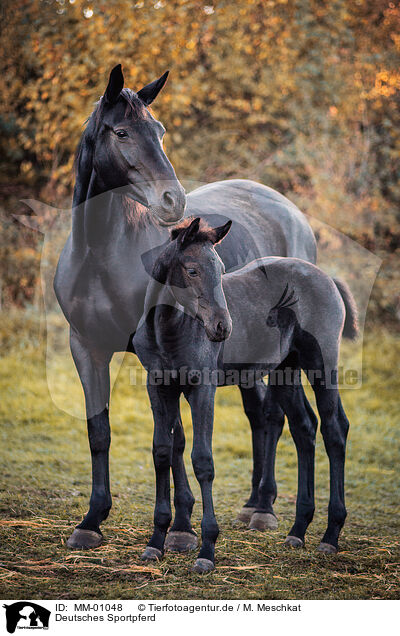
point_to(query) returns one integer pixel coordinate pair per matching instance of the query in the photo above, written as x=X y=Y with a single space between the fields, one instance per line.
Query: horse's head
x=122 y=143
x=192 y=269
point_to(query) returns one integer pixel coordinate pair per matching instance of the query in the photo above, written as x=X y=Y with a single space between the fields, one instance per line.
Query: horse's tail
x=350 y=328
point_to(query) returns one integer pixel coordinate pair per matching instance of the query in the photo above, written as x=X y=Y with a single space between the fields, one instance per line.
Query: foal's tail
x=350 y=328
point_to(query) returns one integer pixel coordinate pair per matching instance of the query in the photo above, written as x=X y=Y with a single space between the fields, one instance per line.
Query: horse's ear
x=148 y=93
x=187 y=235
x=115 y=85
x=220 y=232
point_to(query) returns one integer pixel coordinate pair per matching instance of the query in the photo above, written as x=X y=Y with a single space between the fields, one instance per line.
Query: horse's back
x=255 y=289
x=265 y=222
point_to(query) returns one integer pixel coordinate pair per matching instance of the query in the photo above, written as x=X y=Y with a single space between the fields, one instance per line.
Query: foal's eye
x=191 y=272
x=121 y=134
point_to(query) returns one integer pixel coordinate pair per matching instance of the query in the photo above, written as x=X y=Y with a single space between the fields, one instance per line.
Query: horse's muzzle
x=172 y=206
x=220 y=331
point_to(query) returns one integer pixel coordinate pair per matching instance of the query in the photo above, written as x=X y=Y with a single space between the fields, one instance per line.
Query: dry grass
x=45 y=477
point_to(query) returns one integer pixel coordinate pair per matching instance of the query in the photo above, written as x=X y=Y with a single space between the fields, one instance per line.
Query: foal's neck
x=169 y=316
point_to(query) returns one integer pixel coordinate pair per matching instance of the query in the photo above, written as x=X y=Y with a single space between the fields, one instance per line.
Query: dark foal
x=183 y=342
x=169 y=342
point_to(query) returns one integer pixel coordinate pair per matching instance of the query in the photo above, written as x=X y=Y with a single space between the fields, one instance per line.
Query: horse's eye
x=121 y=134
x=191 y=272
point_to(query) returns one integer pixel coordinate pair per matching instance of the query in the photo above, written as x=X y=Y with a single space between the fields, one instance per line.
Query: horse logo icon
x=26 y=615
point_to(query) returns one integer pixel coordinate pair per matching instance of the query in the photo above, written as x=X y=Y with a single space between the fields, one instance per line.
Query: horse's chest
x=154 y=355
x=106 y=313
x=101 y=298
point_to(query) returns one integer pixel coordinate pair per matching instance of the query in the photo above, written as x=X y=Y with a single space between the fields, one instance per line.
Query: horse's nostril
x=222 y=330
x=168 y=200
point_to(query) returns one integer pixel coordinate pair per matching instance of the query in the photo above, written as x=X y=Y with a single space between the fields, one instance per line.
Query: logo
x=26 y=615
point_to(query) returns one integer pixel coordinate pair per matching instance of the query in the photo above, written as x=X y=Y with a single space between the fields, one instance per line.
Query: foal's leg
x=303 y=426
x=165 y=406
x=253 y=404
x=334 y=429
x=201 y=400
x=95 y=380
x=181 y=536
x=263 y=517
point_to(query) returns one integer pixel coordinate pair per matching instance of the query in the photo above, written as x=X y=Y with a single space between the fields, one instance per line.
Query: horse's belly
x=253 y=343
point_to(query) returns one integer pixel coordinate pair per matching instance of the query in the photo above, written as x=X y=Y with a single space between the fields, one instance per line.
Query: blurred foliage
x=301 y=95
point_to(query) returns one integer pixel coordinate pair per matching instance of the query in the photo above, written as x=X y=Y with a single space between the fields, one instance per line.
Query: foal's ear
x=220 y=232
x=115 y=85
x=148 y=93
x=187 y=235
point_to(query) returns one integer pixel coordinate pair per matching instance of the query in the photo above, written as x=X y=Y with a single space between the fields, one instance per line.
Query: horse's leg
x=201 y=400
x=253 y=404
x=263 y=517
x=181 y=536
x=95 y=380
x=165 y=406
x=334 y=429
x=303 y=426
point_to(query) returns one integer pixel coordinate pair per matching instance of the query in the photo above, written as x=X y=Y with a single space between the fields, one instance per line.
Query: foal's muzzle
x=220 y=329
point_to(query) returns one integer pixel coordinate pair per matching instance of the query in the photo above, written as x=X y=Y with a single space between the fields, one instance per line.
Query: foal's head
x=192 y=269
x=122 y=143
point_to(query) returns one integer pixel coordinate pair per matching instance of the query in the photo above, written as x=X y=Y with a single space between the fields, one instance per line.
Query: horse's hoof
x=180 y=541
x=293 y=542
x=263 y=521
x=327 y=548
x=151 y=554
x=244 y=516
x=82 y=539
x=202 y=566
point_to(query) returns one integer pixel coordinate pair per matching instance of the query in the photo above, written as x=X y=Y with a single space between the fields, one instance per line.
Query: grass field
x=45 y=480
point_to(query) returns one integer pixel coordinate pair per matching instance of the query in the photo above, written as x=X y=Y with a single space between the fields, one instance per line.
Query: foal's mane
x=204 y=233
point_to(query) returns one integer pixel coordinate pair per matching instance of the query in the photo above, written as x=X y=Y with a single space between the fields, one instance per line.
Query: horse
x=197 y=319
x=125 y=198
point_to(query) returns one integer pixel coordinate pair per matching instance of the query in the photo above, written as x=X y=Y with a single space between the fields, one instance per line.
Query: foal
x=284 y=315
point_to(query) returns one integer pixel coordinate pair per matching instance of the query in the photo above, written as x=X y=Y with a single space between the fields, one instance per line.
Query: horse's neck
x=92 y=220
x=97 y=219
x=100 y=223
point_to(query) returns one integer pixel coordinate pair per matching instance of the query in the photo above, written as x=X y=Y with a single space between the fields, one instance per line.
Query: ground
x=45 y=477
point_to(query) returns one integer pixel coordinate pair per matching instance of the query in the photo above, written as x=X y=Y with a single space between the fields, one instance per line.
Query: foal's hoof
x=263 y=521
x=293 y=542
x=327 y=548
x=151 y=554
x=202 y=566
x=180 y=541
x=244 y=516
x=82 y=539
